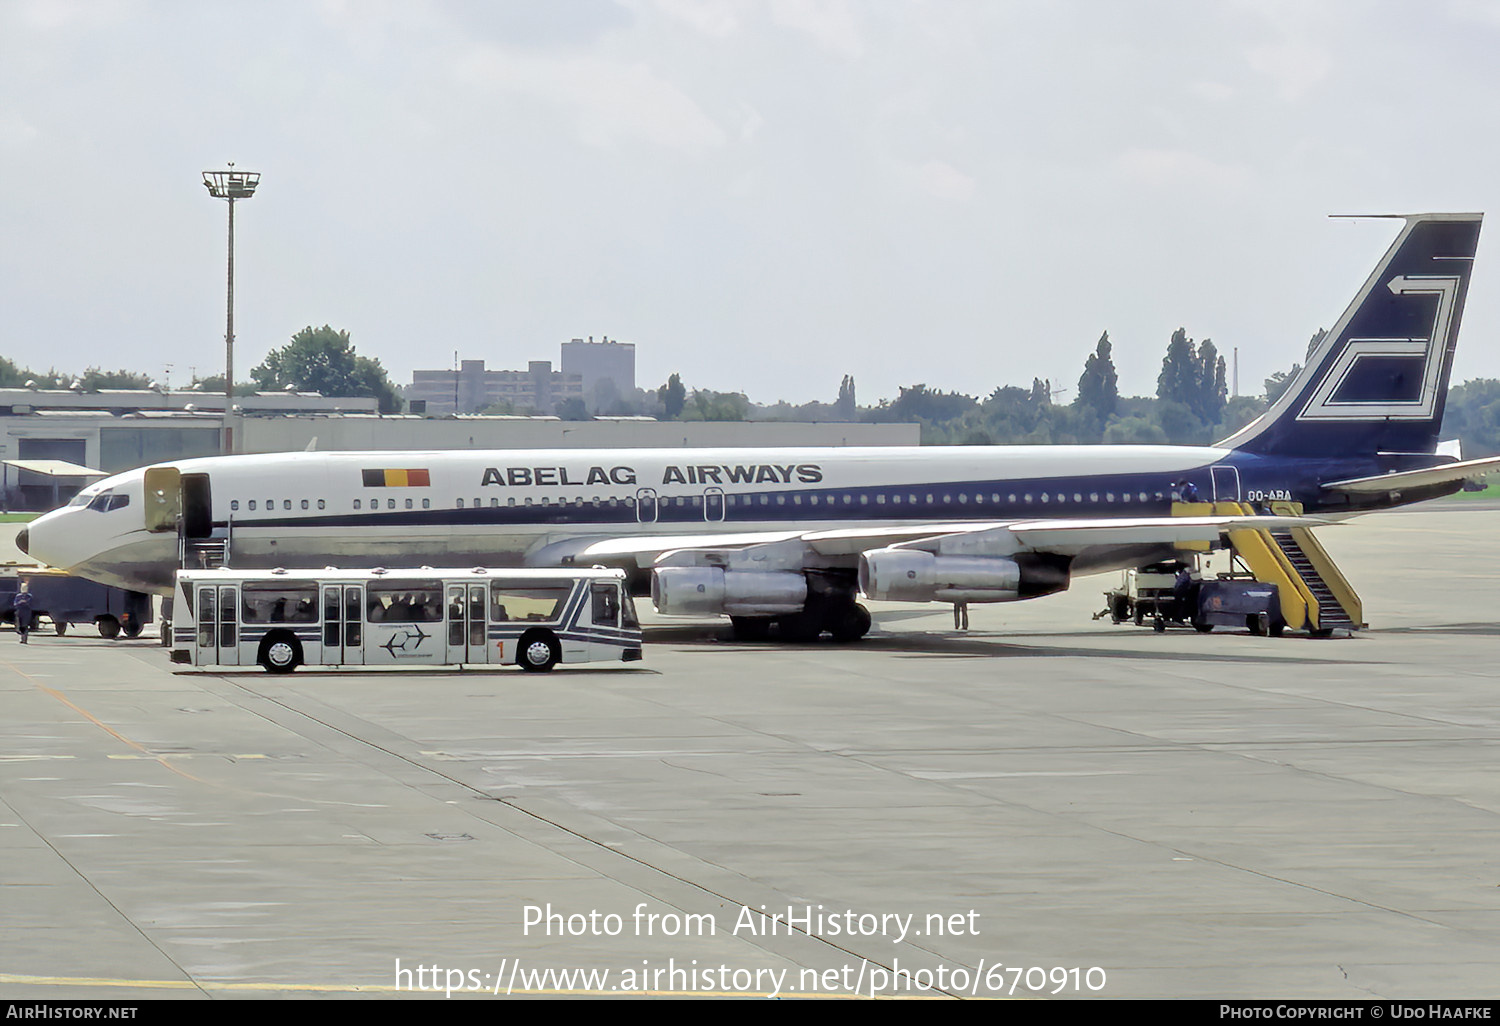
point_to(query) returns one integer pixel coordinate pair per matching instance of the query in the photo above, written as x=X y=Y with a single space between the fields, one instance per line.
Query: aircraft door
x=163 y=500
x=197 y=507
x=645 y=505
x=713 y=504
x=1226 y=482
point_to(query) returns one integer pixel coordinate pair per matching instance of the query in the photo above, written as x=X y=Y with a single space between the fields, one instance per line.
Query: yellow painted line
x=190 y=755
x=99 y=723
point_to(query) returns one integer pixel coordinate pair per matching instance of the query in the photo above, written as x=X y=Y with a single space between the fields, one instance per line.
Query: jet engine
x=713 y=591
x=915 y=575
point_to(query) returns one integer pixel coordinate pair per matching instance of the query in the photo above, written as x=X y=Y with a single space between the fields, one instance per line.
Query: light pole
x=230 y=185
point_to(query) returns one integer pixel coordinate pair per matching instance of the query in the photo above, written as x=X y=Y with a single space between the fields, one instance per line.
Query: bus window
x=535 y=603
x=606 y=605
x=278 y=603
x=404 y=602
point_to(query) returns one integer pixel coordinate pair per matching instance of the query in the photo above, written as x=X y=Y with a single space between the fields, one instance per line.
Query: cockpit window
x=106 y=501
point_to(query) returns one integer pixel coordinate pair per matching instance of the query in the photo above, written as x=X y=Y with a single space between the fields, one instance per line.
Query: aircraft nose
x=23 y=538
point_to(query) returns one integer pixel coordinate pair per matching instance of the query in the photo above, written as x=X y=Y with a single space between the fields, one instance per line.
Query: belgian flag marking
x=389 y=478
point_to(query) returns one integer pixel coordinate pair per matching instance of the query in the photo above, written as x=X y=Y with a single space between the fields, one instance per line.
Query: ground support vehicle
x=1149 y=595
x=282 y=619
x=64 y=601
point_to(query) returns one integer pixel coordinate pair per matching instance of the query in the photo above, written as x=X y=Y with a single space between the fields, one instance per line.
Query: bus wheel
x=538 y=651
x=280 y=652
x=61 y=627
x=109 y=627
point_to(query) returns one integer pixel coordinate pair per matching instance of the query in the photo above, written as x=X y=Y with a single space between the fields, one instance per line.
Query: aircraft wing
x=1466 y=470
x=1061 y=536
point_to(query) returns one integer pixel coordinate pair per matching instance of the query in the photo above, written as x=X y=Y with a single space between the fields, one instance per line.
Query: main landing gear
x=844 y=620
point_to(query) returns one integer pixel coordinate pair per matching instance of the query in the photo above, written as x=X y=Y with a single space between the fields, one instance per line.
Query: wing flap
x=1465 y=470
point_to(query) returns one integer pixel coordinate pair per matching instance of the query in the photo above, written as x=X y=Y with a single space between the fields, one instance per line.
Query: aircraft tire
x=280 y=652
x=61 y=627
x=109 y=627
x=750 y=628
x=850 y=624
x=800 y=627
x=131 y=628
x=538 y=651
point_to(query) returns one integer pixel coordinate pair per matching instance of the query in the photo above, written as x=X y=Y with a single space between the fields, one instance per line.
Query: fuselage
x=529 y=507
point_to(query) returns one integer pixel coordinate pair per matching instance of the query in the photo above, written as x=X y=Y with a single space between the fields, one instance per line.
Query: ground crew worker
x=23 y=611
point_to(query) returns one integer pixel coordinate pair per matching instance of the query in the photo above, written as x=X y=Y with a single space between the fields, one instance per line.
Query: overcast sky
x=762 y=195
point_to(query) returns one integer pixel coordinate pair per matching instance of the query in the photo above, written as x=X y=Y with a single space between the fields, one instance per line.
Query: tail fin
x=1378 y=382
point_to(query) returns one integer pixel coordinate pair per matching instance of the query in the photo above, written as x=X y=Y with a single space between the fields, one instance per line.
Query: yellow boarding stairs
x=1315 y=596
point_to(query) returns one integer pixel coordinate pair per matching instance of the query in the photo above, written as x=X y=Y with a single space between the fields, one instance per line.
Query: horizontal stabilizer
x=1467 y=470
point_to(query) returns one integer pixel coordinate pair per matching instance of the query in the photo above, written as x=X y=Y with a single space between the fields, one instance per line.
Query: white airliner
x=793 y=536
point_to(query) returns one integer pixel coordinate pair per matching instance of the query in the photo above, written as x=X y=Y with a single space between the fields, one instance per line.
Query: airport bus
x=281 y=619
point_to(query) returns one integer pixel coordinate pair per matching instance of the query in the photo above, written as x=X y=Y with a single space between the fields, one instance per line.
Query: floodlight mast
x=230 y=185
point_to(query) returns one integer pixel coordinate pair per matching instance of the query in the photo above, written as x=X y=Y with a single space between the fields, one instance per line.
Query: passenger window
x=276 y=603
x=304 y=504
x=534 y=603
x=252 y=504
x=234 y=504
x=404 y=602
x=356 y=504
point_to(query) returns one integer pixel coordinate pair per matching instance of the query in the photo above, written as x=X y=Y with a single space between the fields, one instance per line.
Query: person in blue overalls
x=23 y=611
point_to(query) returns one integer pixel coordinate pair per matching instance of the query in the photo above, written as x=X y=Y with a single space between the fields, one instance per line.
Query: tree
x=1278 y=383
x=323 y=360
x=1179 y=371
x=1212 y=391
x=1099 y=387
x=844 y=406
x=673 y=396
x=94 y=378
x=573 y=409
x=709 y=405
x=1191 y=388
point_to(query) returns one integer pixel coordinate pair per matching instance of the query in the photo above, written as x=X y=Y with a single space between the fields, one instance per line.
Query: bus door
x=218 y=624
x=343 y=618
x=467 y=625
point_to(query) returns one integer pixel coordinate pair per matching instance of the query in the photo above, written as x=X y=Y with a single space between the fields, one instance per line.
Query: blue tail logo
x=1378 y=382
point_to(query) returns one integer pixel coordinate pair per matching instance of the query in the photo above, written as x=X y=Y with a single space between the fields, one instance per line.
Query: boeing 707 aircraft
x=793 y=537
